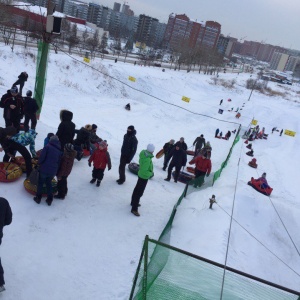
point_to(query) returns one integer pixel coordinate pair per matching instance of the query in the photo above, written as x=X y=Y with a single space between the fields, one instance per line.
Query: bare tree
x=93 y=43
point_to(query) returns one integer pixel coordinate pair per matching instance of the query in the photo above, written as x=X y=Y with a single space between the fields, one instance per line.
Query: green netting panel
x=190 y=278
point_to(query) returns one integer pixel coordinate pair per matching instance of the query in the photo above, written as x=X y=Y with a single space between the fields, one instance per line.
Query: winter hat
x=14 y=90
x=201 y=135
x=94 y=126
x=172 y=141
x=131 y=127
x=69 y=147
x=88 y=127
x=54 y=138
x=182 y=139
x=49 y=135
x=264 y=175
x=29 y=93
x=150 y=148
x=102 y=145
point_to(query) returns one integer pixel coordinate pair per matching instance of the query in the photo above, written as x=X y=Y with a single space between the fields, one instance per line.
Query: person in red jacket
x=101 y=159
x=203 y=167
x=64 y=171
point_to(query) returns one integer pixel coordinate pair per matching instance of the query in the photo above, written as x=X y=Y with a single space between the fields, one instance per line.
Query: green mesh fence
x=189 y=277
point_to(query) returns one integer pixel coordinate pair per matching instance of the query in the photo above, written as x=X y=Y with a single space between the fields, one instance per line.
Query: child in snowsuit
x=203 y=167
x=212 y=200
x=100 y=158
x=64 y=171
x=47 y=139
x=263 y=181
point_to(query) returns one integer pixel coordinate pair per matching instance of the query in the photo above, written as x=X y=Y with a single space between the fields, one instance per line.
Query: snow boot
x=136 y=213
x=2 y=288
x=93 y=180
x=98 y=183
x=49 y=200
x=167 y=179
x=37 y=199
x=59 y=197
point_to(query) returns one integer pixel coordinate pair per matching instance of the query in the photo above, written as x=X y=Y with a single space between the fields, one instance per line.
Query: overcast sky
x=275 y=22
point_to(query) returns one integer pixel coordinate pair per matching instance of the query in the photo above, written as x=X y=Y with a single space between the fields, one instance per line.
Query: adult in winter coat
x=13 y=108
x=66 y=128
x=30 y=109
x=128 y=151
x=64 y=171
x=203 y=167
x=82 y=140
x=5 y=219
x=145 y=172
x=21 y=81
x=179 y=158
x=183 y=145
x=5 y=135
x=167 y=148
x=101 y=159
x=199 y=142
x=49 y=162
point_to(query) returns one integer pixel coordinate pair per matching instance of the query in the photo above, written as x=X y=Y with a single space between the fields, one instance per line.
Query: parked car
x=157 y=65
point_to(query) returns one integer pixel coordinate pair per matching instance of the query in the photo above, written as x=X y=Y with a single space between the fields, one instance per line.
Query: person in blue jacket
x=49 y=162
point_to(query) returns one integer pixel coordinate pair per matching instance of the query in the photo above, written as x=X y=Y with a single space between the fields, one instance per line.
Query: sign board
x=185 y=99
x=87 y=60
x=131 y=78
x=289 y=132
x=254 y=122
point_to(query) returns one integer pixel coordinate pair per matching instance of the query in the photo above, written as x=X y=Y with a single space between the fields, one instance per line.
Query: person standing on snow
x=21 y=81
x=101 y=159
x=128 y=151
x=5 y=219
x=66 y=128
x=182 y=143
x=167 y=148
x=203 y=167
x=30 y=109
x=145 y=173
x=199 y=142
x=179 y=159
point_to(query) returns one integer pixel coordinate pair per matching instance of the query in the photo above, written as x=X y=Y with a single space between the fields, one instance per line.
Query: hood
x=55 y=143
x=66 y=115
x=145 y=154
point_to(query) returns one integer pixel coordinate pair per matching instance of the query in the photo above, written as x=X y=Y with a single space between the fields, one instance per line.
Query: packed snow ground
x=88 y=246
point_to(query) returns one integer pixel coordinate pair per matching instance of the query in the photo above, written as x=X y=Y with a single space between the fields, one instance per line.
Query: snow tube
x=190 y=152
x=190 y=170
x=9 y=172
x=86 y=152
x=256 y=185
x=160 y=153
x=183 y=177
x=31 y=188
x=134 y=168
x=20 y=161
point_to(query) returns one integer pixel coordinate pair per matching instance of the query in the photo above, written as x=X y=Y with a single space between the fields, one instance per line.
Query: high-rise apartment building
x=117 y=7
x=146 y=30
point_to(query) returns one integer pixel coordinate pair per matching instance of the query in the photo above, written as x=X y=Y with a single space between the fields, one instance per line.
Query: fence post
x=145 y=268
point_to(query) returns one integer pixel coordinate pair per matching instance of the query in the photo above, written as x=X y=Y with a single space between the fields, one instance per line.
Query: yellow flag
x=131 y=78
x=86 y=60
x=289 y=132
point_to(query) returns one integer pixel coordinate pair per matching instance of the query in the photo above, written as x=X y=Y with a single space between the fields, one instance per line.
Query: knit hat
x=88 y=127
x=94 y=126
x=54 y=138
x=49 y=135
x=264 y=175
x=29 y=93
x=150 y=148
x=102 y=145
x=14 y=90
x=172 y=141
x=131 y=127
x=69 y=147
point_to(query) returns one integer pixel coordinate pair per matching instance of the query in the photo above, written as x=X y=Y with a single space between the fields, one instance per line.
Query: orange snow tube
x=9 y=172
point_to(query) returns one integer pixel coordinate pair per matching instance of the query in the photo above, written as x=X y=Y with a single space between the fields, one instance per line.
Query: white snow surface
x=88 y=245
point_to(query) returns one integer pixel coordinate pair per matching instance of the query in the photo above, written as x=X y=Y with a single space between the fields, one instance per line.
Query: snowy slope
x=88 y=246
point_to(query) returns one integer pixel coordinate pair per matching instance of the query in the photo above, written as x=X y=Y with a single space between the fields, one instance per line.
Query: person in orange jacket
x=203 y=167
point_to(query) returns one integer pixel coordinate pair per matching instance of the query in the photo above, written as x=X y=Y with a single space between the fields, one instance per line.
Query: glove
x=90 y=164
x=207 y=175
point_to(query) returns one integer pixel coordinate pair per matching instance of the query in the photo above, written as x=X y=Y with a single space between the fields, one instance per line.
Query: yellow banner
x=289 y=132
x=86 y=60
x=185 y=99
x=254 y=122
x=131 y=78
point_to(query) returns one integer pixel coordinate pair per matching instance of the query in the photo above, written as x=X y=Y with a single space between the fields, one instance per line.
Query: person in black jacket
x=179 y=159
x=5 y=135
x=199 y=142
x=128 y=150
x=21 y=81
x=167 y=148
x=5 y=219
x=66 y=129
x=82 y=140
x=30 y=109
x=182 y=144
x=13 y=108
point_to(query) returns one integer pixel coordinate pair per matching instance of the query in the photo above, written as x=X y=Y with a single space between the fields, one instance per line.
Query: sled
x=183 y=177
x=256 y=185
x=249 y=153
x=190 y=152
x=190 y=170
x=134 y=168
x=31 y=188
x=20 y=161
x=9 y=172
x=160 y=153
x=86 y=152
